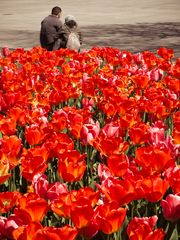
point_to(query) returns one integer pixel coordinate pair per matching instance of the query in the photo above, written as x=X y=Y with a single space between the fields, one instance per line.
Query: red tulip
x=173 y=176
x=8 y=126
x=34 y=161
x=19 y=114
x=8 y=200
x=58 y=143
x=118 y=164
x=142 y=228
x=62 y=206
x=171 y=207
x=139 y=133
x=153 y=188
x=119 y=191
x=108 y=146
x=59 y=120
x=34 y=134
x=165 y=53
x=154 y=159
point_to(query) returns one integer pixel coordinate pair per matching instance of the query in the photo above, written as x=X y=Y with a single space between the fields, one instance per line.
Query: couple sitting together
x=55 y=35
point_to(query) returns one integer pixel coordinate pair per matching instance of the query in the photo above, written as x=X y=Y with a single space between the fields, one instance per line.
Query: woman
x=70 y=28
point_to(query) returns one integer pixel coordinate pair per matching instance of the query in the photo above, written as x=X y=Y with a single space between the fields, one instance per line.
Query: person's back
x=70 y=35
x=50 y=28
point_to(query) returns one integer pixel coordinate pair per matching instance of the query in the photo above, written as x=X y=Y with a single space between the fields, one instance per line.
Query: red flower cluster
x=89 y=144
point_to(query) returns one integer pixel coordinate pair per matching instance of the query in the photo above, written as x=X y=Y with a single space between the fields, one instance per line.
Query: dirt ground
x=133 y=25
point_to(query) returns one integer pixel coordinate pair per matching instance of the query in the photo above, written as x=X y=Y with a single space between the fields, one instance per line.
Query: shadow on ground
x=134 y=38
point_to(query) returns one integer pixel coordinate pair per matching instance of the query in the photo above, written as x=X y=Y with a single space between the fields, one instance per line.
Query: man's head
x=56 y=11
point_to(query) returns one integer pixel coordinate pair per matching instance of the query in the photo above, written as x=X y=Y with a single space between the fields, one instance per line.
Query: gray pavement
x=134 y=25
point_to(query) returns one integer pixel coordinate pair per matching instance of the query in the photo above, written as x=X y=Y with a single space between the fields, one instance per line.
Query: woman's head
x=70 y=21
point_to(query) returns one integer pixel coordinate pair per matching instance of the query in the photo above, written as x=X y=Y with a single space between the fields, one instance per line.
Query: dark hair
x=56 y=10
x=71 y=23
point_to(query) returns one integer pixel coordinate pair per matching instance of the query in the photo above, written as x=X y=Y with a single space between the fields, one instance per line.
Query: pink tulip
x=46 y=190
x=7 y=226
x=156 y=74
x=157 y=138
x=103 y=172
x=2 y=227
x=171 y=207
x=55 y=190
x=111 y=130
x=40 y=184
x=89 y=131
x=5 y=51
x=87 y=103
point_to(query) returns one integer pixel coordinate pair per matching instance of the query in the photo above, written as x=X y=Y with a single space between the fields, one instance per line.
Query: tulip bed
x=89 y=144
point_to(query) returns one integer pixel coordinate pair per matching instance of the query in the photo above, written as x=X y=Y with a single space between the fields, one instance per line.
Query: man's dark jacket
x=50 y=29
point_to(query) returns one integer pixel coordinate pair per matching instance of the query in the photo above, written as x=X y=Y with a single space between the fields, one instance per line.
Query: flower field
x=89 y=145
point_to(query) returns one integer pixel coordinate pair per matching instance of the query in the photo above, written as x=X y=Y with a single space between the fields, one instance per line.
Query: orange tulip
x=4 y=175
x=62 y=205
x=31 y=207
x=109 y=217
x=10 y=149
x=52 y=233
x=26 y=232
x=71 y=166
x=82 y=213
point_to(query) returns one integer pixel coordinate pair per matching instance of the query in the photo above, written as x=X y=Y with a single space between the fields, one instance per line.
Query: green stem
x=170 y=230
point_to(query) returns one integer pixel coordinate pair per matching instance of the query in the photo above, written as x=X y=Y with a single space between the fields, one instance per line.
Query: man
x=50 y=29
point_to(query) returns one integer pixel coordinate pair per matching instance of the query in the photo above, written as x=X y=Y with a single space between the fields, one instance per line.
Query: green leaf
x=174 y=235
